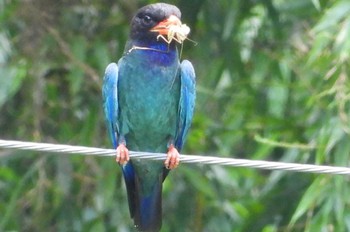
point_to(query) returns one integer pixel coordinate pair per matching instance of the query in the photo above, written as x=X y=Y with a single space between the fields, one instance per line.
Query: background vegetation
x=272 y=85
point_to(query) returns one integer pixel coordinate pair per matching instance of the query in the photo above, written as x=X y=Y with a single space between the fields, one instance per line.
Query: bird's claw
x=122 y=154
x=173 y=158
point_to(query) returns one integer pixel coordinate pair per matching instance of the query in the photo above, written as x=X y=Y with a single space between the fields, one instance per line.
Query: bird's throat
x=157 y=53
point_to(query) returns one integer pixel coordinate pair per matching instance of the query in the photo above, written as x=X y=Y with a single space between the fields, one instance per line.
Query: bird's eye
x=147 y=20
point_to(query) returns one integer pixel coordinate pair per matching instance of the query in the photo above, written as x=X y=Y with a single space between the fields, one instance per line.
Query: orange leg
x=173 y=158
x=122 y=154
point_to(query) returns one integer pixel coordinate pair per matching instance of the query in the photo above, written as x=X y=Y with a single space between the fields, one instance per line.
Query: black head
x=149 y=17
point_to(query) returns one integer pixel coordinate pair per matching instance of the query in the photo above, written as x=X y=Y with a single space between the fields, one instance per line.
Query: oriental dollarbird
x=148 y=100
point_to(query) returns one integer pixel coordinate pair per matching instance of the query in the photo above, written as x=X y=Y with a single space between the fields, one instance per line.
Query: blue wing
x=111 y=110
x=187 y=102
x=110 y=101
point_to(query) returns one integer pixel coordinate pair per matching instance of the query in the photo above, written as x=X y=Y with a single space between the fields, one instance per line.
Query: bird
x=148 y=101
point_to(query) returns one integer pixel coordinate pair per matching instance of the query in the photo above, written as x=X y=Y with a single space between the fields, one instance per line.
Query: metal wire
x=268 y=165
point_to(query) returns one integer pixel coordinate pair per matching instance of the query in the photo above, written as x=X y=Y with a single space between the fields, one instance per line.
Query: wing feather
x=110 y=101
x=186 y=103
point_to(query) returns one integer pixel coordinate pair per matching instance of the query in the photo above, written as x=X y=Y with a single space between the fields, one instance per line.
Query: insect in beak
x=171 y=29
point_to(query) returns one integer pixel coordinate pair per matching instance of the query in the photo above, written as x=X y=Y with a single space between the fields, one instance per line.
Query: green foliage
x=272 y=84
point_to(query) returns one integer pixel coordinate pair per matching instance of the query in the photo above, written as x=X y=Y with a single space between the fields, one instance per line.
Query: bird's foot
x=122 y=154
x=173 y=158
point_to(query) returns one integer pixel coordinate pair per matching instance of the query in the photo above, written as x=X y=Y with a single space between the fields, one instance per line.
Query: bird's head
x=158 y=22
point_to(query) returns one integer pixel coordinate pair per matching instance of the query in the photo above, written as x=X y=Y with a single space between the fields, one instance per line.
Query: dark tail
x=145 y=201
x=148 y=209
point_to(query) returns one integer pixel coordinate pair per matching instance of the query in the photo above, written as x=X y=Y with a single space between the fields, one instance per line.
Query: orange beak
x=163 y=27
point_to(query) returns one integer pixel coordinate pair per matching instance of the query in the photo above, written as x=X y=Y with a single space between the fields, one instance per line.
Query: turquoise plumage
x=149 y=99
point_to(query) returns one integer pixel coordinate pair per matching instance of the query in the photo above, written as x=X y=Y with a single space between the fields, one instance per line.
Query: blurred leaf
x=333 y=15
x=12 y=202
x=11 y=80
x=270 y=228
x=201 y=184
x=315 y=193
x=317 y=4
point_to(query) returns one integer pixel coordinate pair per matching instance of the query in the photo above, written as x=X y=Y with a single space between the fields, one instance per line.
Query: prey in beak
x=171 y=29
